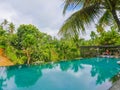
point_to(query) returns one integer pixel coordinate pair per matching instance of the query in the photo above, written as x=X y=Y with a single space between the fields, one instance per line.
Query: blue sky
x=46 y=15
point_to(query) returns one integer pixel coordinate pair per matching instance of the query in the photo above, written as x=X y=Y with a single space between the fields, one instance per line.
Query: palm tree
x=104 y=12
x=11 y=28
x=4 y=24
x=93 y=35
x=100 y=29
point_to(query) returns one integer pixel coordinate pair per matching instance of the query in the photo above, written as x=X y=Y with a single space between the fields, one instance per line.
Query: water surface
x=85 y=74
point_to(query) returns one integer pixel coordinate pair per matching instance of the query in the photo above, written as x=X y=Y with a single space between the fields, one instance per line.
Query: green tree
x=11 y=28
x=93 y=35
x=27 y=39
x=3 y=38
x=109 y=38
x=4 y=25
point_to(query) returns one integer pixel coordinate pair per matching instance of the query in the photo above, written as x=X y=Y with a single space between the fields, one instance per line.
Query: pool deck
x=116 y=86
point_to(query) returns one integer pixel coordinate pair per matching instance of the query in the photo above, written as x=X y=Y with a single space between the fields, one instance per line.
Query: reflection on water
x=115 y=78
x=94 y=73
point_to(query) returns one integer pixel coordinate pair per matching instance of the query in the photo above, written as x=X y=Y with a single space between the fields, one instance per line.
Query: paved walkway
x=116 y=86
x=4 y=61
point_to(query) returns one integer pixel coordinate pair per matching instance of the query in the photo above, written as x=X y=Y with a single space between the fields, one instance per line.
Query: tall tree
x=93 y=35
x=28 y=39
x=103 y=11
x=11 y=28
x=4 y=24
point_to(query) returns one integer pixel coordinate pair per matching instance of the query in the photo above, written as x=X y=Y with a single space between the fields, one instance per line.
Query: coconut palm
x=11 y=28
x=93 y=35
x=102 y=12
x=4 y=24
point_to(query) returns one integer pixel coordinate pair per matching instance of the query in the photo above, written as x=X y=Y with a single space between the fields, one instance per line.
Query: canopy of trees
x=27 y=45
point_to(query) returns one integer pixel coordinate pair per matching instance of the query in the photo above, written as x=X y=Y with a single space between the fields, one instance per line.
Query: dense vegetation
x=103 y=37
x=28 y=45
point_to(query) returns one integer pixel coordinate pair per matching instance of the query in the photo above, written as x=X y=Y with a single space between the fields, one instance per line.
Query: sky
x=47 y=16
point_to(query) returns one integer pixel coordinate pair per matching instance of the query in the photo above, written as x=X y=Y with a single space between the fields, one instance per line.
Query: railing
x=93 y=51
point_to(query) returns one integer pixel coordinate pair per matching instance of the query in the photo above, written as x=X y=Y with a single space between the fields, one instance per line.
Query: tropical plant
x=27 y=39
x=110 y=37
x=102 y=11
x=93 y=35
x=11 y=28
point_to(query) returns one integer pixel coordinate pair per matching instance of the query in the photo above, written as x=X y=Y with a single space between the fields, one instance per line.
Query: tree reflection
x=103 y=68
x=48 y=66
x=26 y=77
x=115 y=78
x=76 y=65
x=64 y=66
x=71 y=65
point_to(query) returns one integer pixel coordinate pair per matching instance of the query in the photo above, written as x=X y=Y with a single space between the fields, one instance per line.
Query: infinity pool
x=85 y=74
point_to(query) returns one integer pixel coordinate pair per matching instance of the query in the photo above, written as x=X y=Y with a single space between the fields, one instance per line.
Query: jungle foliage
x=26 y=45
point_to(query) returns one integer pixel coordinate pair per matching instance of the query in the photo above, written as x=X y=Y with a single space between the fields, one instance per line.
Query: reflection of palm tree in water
x=102 y=68
x=71 y=65
x=76 y=66
x=64 y=66
x=104 y=72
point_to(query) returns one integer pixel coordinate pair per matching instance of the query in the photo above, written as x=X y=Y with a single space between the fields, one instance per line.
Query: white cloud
x=46 y=15
x=49 y=31
x=6 y=12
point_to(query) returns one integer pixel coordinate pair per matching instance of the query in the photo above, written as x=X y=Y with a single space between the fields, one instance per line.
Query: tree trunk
x=114 y=14
x=28 y=56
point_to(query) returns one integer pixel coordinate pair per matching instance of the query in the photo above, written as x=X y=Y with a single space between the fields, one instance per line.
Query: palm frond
x=106 y=18
x=88 y=3
x=71 y=3
x=100 y=29
x=117 y=5
x=75 y=3
x=68 y=30
x=76 y=22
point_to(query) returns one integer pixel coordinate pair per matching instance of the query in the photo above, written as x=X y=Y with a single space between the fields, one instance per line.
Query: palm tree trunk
x=114 y=14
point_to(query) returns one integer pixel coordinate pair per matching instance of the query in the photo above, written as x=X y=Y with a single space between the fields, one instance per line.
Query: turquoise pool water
x=85 y=74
